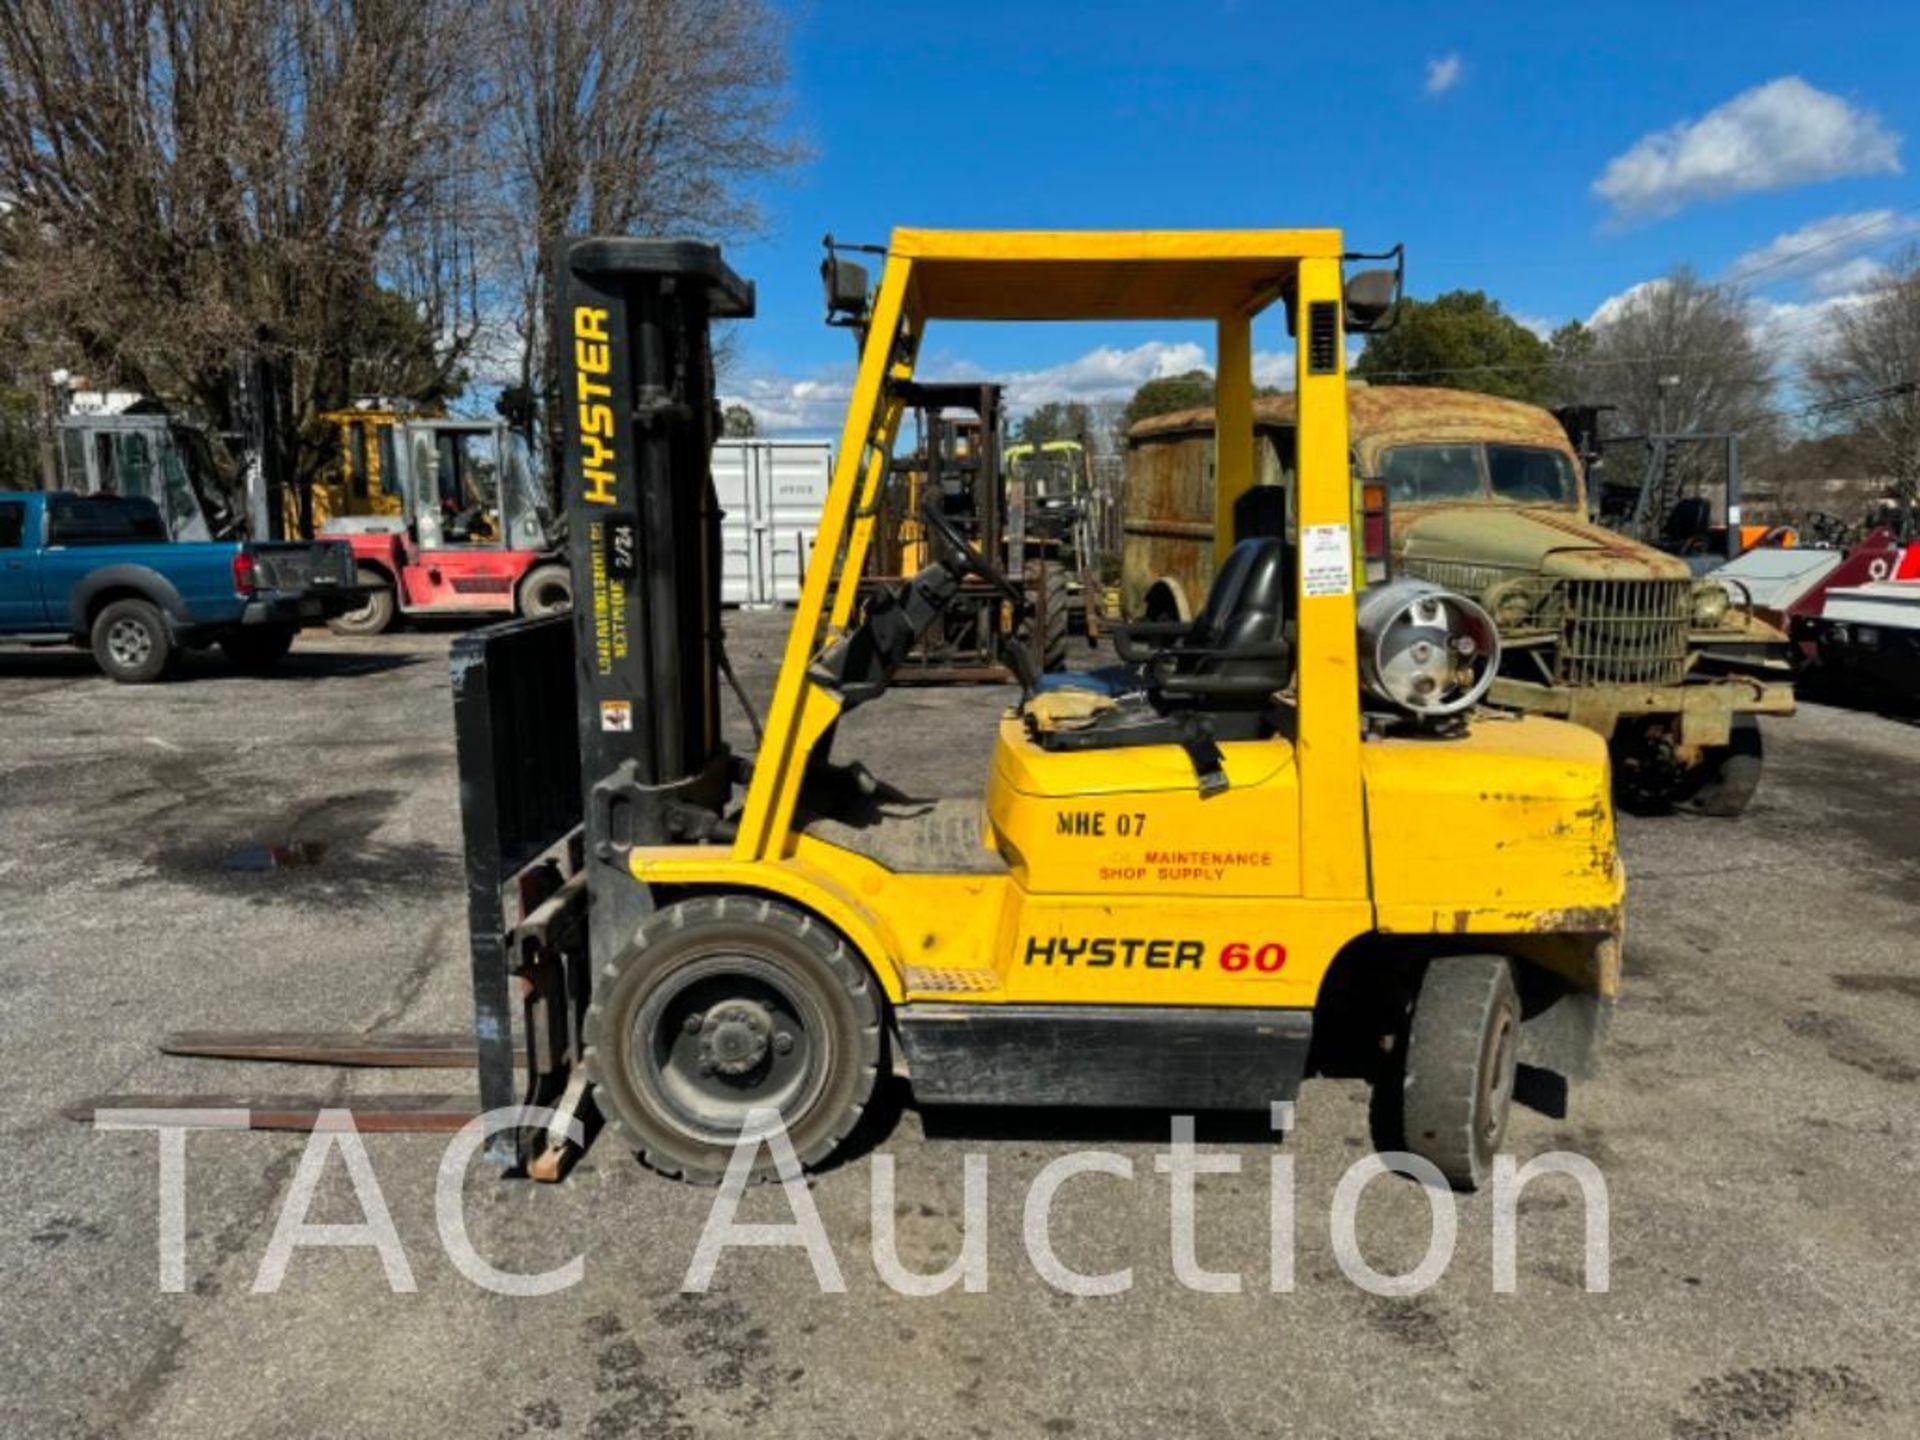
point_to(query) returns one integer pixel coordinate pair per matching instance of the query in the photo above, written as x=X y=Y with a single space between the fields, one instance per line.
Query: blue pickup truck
x=100 y=572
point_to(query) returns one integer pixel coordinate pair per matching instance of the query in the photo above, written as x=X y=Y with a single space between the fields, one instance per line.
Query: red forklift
x=470 y=532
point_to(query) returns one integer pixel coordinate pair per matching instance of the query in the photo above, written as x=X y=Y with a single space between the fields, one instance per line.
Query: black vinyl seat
x=1195 y=683
x=1234 y=650
x=1240 y=634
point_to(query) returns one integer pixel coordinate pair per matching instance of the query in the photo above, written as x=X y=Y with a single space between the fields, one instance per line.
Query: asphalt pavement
x=1755 y=1127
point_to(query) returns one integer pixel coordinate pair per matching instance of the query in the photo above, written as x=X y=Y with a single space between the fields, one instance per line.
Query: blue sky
x=1554 y=155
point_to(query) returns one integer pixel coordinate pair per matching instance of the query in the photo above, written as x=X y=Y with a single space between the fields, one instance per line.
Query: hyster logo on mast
x=593 y=357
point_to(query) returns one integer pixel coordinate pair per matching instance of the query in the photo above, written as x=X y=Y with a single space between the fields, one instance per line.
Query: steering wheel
x=964 y=558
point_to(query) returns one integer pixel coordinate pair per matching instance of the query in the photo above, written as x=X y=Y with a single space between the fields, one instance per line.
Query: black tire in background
x=1730 y=774
x=375 y=614
x=1047 y=581
x=259 y=648
x=131 y=642
x=546 y=590
x=1458 y=1068
x=724 y=1003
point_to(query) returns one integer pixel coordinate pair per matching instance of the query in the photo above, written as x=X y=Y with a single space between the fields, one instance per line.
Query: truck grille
x=1615 y=632
x=1611 y=632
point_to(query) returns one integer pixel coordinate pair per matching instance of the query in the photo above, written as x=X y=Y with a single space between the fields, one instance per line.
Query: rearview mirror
x=846 y=285
x=1372 y=298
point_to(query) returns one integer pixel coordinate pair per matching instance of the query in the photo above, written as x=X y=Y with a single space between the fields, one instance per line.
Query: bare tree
x=1676 y=354
x=627 y=117
x=193 y=184
x=1866 y=377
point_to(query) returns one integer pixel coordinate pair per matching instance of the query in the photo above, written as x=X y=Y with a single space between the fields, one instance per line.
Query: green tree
x=1164 y=395
x=737 y=423
x=1055 y=420
x=1461 y=339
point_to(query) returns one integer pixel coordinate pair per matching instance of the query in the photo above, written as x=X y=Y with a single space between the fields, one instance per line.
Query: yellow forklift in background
x=1278 y=840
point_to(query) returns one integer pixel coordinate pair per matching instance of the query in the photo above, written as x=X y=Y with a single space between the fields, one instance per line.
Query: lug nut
x=693 y=1023
x=783 y=1042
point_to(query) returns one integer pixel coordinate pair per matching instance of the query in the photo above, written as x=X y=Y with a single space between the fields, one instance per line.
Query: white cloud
x=1776 y=135
x=1538 y=324
x=1850 y=277
x=784 y=405
x=1103 y=373
x=1614 y=306
x=1444 y=73
x=1785 y=329
x=1273 y=369
x=1819 y=244
x=1790 y=330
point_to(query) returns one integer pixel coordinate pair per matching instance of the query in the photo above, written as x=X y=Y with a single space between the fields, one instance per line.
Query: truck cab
x=153 y=457
x=1487 y=497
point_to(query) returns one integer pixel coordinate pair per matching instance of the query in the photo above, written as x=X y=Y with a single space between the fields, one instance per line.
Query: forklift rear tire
x=723 y=1004
x=1729 y=774
x=546 y=590
x=131 y=643
x=374 y=616
x=1462 y=1053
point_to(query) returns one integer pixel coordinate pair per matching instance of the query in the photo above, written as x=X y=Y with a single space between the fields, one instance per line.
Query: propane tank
x=1424 y=649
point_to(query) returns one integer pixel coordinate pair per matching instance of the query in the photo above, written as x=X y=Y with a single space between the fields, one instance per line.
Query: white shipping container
x=772 y=492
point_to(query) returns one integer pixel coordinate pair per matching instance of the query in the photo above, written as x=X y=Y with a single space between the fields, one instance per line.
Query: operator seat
x=1240 y=634
x=1235 y=647
x=1194 y=684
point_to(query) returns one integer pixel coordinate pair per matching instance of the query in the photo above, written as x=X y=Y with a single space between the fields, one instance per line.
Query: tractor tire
x=131 y=642
x=725 y=1003
x=1462 y=1053
x=253 y=651
x=1045 y=580
x=1727 y=778
x=546 y=590
x=375 y=615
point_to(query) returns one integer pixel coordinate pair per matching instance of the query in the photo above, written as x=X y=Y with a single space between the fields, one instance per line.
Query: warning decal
x=1326 y=560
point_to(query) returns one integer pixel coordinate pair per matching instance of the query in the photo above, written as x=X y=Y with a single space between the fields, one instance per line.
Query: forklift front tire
x=376 y=614
x=1462 y=1053
x=726 y=1004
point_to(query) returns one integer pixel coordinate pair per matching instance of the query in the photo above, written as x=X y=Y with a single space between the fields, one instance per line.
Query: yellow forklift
x=1280 y=839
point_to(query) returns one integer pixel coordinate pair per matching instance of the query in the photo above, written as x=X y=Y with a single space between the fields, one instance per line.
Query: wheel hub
x=129 y=642
x=735 y=1037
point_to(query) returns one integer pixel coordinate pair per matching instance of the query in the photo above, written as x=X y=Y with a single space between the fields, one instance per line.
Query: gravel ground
x=1756 y=1128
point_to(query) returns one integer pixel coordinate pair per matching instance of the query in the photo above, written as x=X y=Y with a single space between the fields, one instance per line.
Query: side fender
x=830 y=902
x=150 y=584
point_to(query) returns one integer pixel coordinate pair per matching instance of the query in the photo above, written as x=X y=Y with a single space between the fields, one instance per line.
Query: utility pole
x=51 y=385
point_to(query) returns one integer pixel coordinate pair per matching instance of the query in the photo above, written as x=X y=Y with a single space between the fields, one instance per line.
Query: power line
x=1886 y=218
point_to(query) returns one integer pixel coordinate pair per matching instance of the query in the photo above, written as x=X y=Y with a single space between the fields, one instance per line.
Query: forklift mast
x=634 y=321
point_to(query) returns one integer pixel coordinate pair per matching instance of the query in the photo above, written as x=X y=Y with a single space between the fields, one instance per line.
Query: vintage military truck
x=1486 y=496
